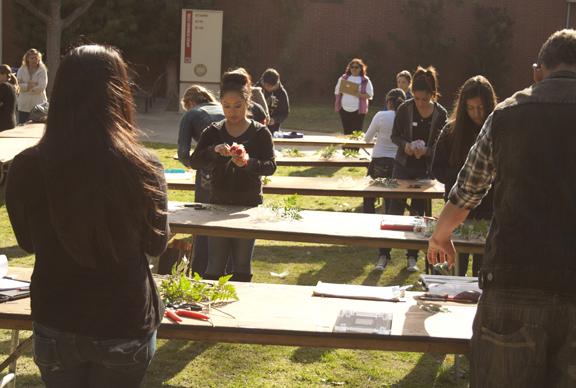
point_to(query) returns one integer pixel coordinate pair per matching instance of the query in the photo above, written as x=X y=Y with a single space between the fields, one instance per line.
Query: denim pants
x=67 y=360
x=238 y=250
x=463 y=260
x=379 y=168
x=524 y=338
x=417 y=206
x=200 y=249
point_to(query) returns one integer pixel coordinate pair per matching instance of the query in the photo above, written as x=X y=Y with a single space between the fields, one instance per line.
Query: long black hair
x=101 y=183
x=462 y=129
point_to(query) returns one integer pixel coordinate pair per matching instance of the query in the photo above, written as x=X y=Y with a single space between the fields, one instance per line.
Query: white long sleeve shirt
x=381 y=128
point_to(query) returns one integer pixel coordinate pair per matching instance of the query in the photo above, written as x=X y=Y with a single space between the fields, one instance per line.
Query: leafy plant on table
x=469 y=230
x=292 y=153
x=266 y=180
x=351 y=153
x=328 y=152
x=356 y=135
x=385 y=182
x=179 y=288
x=287 y=208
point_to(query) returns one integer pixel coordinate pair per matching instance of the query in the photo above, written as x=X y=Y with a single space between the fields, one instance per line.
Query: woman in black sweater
x=475 y=101
x=8 y=89
x=239 y=151
x=416 y=127
x=90 y=202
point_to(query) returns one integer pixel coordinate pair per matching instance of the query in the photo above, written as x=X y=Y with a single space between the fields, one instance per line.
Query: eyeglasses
x=536 y=66
x=354 y=67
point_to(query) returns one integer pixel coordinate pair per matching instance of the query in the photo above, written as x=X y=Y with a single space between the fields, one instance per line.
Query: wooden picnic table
x=326 y=186
x=14 y=141
x=341 y=228
x=276 y=314
x=322 y=141
x=24 y=131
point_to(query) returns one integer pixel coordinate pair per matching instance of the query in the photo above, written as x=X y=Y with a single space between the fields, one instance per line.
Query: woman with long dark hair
x=90 y=202
x=8 y=89
x=475 y=101
x=417 y=124
x=352 y=93
x=239 y=151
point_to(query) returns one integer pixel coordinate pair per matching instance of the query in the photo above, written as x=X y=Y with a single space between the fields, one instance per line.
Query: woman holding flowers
x=239 y=151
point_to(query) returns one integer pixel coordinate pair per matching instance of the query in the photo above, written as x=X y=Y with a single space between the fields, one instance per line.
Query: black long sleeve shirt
x=231 y=184
x=118 y=300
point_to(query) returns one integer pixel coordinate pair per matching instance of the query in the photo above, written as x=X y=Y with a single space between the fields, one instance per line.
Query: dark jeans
x=417 y=206
x=238 y=250
x=23 y=117
x=463 y=260
x=200 y=250
x=524 y=338
x=351 y=121
x=379 y=168
x=67 y=360
x=274 y=127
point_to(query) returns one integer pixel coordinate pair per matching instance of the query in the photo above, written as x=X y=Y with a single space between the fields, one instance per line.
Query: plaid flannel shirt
x=477 y=174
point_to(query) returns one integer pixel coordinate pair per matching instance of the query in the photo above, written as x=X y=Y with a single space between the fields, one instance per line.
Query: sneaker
x=412 y=266
x=383 y=261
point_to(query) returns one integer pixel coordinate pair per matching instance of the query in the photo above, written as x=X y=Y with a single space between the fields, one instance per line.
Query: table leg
x=11 y=377
x=457 y=366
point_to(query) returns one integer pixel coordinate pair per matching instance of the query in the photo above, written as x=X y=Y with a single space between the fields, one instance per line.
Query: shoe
x=383 y=261
x=412 y=266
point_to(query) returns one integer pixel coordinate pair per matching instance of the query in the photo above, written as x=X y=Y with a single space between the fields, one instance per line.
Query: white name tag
x=414 y=124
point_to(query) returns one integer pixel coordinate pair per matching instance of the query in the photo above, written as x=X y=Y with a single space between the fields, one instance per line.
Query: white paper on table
x=392 y=293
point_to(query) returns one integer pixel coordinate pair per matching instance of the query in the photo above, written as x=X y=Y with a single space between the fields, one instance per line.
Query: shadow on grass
x=13 y=252
x=306 y=355
x=170 y=359
x=315 y=171
x=425 y=369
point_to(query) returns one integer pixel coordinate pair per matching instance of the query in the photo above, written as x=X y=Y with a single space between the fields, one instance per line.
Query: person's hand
x=408 y=150
x=222 y=149
x=241 y=161
x=441 y=250
x=419 y=152
x=364 y=95
x=271 y=122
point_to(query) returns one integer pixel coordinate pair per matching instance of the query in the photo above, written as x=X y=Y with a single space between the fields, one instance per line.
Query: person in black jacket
x=239 y=151
x=8 y=88
x=276 y=98
x=416 y=127
x=475 y=101
x=90 y=202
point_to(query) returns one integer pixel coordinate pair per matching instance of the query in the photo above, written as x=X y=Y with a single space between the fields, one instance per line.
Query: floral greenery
x=266 y=180
x=469 y=230
x=385 y=182
x=351 y=153
x=287 y=208
x=328 y=152
x=178 y=288
x=292 y=152
x=356 y=135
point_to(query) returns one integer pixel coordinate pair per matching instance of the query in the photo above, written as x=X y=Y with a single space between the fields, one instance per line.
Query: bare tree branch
x=77 y=13
x=34 y=10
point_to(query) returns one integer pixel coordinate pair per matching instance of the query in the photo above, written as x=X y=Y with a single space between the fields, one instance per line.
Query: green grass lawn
x=199 y=364
x=319 y=118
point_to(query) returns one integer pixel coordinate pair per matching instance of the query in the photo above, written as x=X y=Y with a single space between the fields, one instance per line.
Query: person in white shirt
x=33 y=79
x=383 y=156
x=352 y=102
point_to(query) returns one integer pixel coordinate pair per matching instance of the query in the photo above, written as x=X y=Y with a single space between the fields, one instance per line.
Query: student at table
x=276 y=97
x=383 y=155
x=8 y=90
x=90 y=202
x=524 y=329
x=417 y=124
x=474 y=102
x=32 y=79
x=202 y=109
x=404 y=82
x=239 y=151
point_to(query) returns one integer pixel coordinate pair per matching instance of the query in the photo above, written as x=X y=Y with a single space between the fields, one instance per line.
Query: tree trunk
x=53 y=39
x=172 y=93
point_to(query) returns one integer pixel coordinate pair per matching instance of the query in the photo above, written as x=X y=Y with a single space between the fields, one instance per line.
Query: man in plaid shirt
x=524 y=333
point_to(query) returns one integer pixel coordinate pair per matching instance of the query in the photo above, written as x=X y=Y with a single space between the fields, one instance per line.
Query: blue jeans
x=379 y=168
x=200 y=249
x=524 y=338
x=417 y=206
x=68 y=360
x=238 y=250
x=23 y=117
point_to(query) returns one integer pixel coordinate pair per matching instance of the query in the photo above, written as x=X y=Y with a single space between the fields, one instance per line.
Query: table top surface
x=343 y=228
x=322 y=140
x=290 y=314
x=24 y=131
x=341 y=186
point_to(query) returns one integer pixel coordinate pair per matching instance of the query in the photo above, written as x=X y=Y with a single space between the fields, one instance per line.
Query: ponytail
x=426 y=80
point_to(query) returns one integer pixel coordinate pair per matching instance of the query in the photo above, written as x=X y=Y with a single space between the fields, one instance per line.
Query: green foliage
x=292 y=152
x=328 y=152
x=287 y=208
x=178 y=288
x=265 y=180
x=492 y=41
x=385 y=182
x=356 y=135
x=351 y=152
